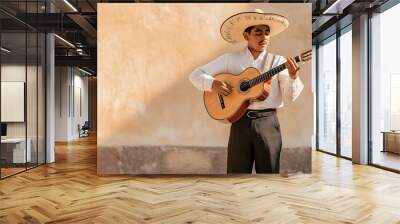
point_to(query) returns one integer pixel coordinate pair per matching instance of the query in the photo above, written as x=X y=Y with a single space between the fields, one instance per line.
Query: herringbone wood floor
x=69 y=191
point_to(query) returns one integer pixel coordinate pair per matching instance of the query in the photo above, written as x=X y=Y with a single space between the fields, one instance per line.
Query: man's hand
x=221 y=87
x=292 y=67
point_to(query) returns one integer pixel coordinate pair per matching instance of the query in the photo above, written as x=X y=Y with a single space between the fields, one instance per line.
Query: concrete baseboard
x=297 y=159
x=184 y=160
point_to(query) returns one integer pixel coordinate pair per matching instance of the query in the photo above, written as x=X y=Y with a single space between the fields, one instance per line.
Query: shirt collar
x=250 y=56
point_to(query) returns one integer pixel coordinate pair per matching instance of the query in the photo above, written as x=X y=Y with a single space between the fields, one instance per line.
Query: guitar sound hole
x=244 y=86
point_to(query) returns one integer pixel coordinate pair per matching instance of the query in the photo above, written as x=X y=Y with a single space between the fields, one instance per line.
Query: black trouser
x=256 y=136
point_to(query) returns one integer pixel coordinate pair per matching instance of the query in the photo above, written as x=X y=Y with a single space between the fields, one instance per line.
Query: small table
x=13 y=150
x=391 y=141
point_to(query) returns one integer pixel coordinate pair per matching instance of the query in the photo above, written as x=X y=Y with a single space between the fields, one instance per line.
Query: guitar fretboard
x=269 y=74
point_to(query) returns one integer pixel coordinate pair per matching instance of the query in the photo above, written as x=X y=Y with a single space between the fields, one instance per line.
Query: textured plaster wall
x=147 y=51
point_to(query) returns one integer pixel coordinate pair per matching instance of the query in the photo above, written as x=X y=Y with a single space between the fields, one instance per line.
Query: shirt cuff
x=297 y=86
x=207 y=83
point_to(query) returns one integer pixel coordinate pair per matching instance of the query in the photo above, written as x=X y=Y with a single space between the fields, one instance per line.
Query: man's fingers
x=225 y=93
x=226 y=85
x=224 y=90
x=293 y=64
x=289 y=63
x=228 y=90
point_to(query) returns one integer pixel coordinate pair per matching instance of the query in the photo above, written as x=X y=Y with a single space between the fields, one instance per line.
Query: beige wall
x=147 y=51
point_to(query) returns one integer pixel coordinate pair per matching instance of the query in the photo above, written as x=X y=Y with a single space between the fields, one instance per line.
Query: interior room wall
x=92 y=108
x=16 y=73
x=70 y=83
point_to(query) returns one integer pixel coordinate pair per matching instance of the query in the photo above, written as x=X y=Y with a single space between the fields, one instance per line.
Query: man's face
x=258 y=39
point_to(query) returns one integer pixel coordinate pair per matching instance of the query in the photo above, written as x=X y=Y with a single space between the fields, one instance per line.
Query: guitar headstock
x=306 y=56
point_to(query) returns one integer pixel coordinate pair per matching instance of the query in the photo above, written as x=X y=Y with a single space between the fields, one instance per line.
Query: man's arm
x=202 y=77
x=291 y=84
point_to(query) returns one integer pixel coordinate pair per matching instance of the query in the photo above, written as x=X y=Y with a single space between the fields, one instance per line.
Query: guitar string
x=269 y=74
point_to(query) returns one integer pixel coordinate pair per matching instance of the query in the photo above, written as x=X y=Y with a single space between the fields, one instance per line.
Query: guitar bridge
x=221 y=101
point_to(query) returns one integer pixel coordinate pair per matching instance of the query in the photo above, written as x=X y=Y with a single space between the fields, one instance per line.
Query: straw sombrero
x=232 y=28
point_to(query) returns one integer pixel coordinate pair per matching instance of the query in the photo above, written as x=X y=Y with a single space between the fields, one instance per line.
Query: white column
x=50 y=110
x=360 y=90
x=50 y=93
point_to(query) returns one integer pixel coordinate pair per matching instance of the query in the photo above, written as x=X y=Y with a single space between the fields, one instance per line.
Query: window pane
x=31 y=100
x=327 y=96
x=22 y=89
x=41 y=98
x=346 y=94
x=14 y=153
x=385 y=86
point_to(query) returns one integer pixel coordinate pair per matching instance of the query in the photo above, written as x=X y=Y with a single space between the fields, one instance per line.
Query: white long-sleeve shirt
x=282 y=85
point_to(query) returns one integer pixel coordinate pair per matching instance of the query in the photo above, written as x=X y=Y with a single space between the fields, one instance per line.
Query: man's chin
x=259 y=48
x=262 y=48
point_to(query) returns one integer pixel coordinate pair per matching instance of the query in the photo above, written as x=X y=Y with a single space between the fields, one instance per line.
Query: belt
x=253 y=114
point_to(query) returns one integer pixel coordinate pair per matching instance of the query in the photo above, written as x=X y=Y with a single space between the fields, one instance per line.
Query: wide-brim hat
x=232 y=28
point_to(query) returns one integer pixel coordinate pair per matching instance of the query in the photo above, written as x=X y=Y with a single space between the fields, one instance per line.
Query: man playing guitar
x=255 y=136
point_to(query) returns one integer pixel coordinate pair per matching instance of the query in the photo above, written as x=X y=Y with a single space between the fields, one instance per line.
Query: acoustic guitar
x=250 y=85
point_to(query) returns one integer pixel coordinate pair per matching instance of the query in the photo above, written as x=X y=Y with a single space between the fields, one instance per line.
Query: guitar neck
x=270 y=73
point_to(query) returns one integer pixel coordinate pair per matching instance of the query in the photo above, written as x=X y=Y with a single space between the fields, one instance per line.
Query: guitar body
x=230 y=108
